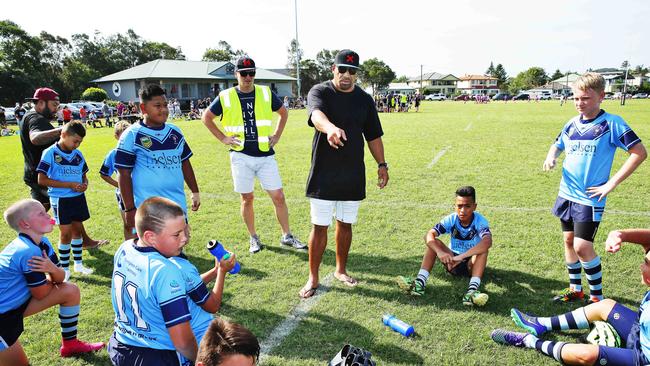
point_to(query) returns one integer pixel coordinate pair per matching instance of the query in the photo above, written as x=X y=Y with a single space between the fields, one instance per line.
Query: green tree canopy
x=376 y=73
x=531 y=78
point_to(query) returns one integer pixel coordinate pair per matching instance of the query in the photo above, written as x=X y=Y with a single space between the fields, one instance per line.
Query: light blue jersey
x=644 y=325
x=197 y=295
x=108 y=166
x=148 y=294
x=155 y=157
x=589 y=147
x=62 y=166
x=16 y=277
x=463 y=238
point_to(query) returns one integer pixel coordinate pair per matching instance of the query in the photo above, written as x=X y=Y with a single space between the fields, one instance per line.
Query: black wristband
x=131 y=209
x=382 y=165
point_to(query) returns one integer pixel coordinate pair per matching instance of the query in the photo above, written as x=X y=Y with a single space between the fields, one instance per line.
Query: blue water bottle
x=217 y=250
x=398 y=325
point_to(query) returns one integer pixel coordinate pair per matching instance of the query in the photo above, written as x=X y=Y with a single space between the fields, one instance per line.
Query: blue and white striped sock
x=576 y=319
x=575 y=275
x=594 y=273
x=64 y=255
x=551 y=349
x=77 y=250
x=68 y=316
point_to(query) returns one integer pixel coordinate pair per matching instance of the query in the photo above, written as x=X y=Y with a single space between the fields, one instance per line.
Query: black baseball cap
x=245 y=63
x=347 y=58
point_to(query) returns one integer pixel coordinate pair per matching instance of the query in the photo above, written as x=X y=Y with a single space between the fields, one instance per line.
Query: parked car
x=88 y=107
x=435 y=97
x=545 y=96
x=502 y=96
x=10 y=117
x=463 y=97
x=640 y=96
x=522 y=96
x=75 y=110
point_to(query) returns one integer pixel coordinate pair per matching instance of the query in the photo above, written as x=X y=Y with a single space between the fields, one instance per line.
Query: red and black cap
x=347 y=58
x=245 y=63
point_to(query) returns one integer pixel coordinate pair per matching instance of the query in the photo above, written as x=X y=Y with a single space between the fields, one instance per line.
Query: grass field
x=498 y=148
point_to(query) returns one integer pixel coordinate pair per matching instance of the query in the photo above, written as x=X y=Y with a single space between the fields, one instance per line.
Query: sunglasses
x=344 y=69
x=247 y=73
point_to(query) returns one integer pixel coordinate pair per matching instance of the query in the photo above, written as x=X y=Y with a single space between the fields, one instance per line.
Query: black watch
x=382 y=165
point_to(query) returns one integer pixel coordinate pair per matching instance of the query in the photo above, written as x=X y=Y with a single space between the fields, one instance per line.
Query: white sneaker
x=292 y=241
x=83 y=270
x=255 y=244
x=67 y=275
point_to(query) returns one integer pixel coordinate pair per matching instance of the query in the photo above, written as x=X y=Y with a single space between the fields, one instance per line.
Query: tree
x=21 y=69
x=557 y=74
x=223 y=52
x=640 y=70
x=294 y=53
x=376 y=73
x=94 y=94
x=490 y=71
x=324 y=61
x=502 y=76
x=401 y=79
x=531 y=78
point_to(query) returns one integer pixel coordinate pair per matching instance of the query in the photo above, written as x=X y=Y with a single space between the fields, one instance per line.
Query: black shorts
x=12 y=325
x=69 y=209
x=39 y=193
x=462 y=269
x=580 y=219
x=125 y=355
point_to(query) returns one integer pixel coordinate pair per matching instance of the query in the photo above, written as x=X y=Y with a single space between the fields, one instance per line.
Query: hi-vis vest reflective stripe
x=233 y=120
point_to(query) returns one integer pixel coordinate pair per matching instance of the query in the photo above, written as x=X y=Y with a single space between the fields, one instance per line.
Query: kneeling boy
x=467 y=255
x=31 y=281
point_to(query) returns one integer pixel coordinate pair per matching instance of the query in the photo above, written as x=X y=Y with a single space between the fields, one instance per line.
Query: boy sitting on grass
x=471 y=240
x=31 y=281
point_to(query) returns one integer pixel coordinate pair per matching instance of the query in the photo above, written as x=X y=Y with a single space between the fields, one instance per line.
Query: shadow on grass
x=331 y=335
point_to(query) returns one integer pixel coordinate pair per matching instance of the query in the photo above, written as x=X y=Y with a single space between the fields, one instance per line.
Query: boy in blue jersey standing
x=152 y=158
x=107 y=170
x=63 y=170
x=589 y=141
x=632 y=327
x=471 y=240
x=152 y=319
x=31 y=281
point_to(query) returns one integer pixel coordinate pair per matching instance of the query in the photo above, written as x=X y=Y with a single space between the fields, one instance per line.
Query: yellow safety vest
x=233 y=120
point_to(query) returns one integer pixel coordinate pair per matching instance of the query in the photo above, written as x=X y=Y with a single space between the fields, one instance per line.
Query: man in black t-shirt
x=246 y=112
x=344 y=117
x=36 y=135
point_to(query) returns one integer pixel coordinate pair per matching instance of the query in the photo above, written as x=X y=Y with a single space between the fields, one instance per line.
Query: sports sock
x=64 y=255
x=576 y=319
x=68 y=316
x=474 y=284
x=594 y=273
x=423 y=276
x=551 y=349
x=77 y=250
x=575 y=275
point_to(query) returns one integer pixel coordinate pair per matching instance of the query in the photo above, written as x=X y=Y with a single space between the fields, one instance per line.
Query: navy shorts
x=580 y=219
x=462 y=269
x=12 y=325
x=124 y=355
x=69 y=209
x=626 y=323
x=39 y=193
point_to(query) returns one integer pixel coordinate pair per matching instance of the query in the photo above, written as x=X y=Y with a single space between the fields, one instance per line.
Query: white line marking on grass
x=438 y=156
x=296 y=315
x=468 y=127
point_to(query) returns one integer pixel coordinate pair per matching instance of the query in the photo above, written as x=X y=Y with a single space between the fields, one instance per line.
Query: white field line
x=406 y=204
x=438 y=156
x=468 y=127
x=299 y=312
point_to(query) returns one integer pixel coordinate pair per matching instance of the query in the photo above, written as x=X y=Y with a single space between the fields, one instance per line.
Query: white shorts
x=245 y=168
x=323 y=210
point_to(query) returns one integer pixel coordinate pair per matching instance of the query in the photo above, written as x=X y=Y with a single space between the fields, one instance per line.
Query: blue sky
x=457 y=37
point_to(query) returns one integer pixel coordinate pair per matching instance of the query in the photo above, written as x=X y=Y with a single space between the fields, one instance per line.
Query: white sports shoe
x=67 y=275
x=83 y=270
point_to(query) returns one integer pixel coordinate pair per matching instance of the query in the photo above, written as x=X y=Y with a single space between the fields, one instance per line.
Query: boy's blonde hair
x=590 y=80
x=153 y=213
x=120 y=127
x=19 y=211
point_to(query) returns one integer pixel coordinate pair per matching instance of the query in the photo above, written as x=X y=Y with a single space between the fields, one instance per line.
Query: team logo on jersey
x=58 y=158
x=617 y=316
x=146 y=141
x=174 y=284
x=174 y=139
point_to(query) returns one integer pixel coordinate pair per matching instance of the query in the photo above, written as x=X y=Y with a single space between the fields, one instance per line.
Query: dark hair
x=224 y=338
x=74 y=128
x=466 y=191
x=149 y=91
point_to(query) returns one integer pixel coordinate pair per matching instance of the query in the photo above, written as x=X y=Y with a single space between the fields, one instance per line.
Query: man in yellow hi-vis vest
x=246 y=112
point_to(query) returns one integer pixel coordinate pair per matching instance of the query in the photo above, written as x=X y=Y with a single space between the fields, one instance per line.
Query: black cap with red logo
x=347 y=58
x=245 y=63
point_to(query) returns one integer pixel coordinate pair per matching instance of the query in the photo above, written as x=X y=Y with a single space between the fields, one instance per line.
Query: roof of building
x=399 y=86
x=477 y=77
x=181 y=69
x=433 y=76
x=570 y=78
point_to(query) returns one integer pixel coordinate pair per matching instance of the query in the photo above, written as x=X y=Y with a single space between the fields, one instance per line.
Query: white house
x=478 y=85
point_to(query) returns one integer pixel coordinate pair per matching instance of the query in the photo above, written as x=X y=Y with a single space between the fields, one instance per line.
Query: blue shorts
x=124 y=355
x=69 y=209
x=575 y=212
x=12 y=325
x=626 y=323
